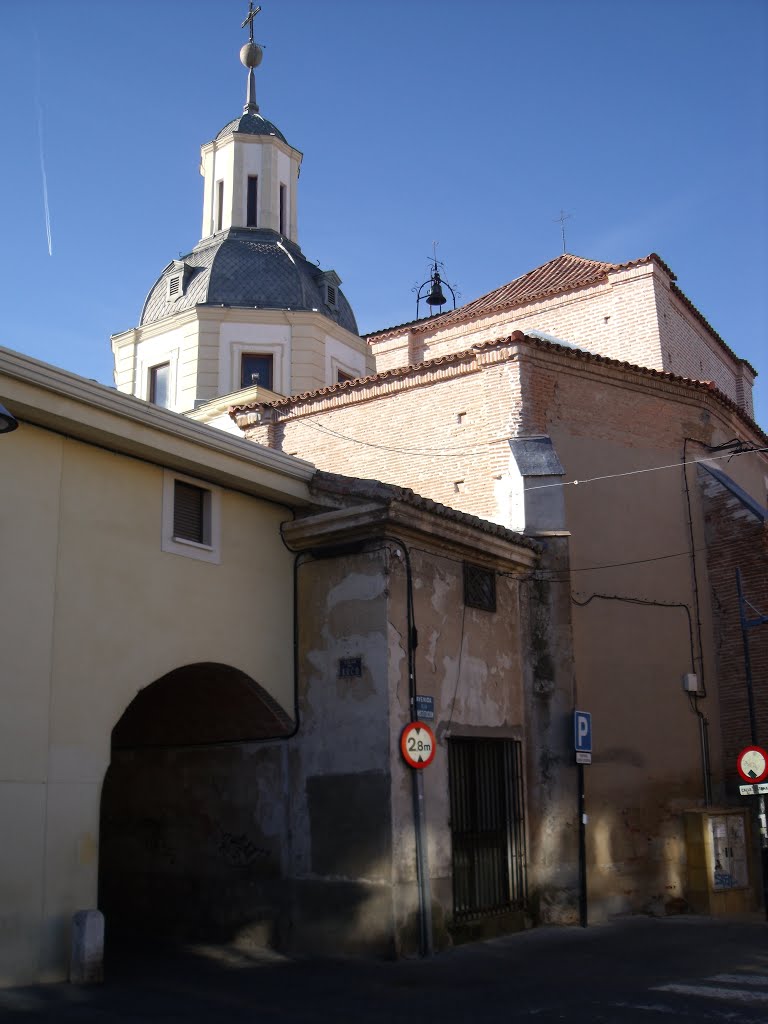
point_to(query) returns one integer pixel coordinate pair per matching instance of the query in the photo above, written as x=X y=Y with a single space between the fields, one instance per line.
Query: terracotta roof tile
x=563 y=274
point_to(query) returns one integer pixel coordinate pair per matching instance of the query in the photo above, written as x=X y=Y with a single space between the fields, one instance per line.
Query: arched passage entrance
x=193 y=809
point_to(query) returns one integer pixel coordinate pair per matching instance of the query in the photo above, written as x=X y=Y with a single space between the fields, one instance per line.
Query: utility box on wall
x=717 y=845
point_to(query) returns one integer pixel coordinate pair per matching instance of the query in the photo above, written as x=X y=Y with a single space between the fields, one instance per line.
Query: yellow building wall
x=92 y=611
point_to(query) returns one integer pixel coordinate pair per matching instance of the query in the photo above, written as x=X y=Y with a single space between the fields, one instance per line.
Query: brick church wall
x=737 y=539
x=634 y=316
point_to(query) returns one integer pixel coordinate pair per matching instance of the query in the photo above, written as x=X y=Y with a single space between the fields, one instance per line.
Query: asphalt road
x=632 y=970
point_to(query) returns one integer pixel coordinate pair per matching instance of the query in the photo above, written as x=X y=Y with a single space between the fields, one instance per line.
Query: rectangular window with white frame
x=191 y=523
x=256 y=369
x=159 y=385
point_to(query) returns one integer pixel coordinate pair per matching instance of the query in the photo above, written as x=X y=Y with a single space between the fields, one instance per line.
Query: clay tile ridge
x=563 y=274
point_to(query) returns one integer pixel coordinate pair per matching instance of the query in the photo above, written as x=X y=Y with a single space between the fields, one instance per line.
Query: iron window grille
x=479 y=588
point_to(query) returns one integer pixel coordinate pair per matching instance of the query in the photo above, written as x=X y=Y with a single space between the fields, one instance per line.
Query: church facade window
x=251 y=213
x=282 y=209
x=159 y=384
x=256 y=369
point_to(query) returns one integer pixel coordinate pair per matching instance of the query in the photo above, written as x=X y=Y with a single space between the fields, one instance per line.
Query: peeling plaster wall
x=550 y=696
x=339 y=774
x=353 y=855
x=471 y=662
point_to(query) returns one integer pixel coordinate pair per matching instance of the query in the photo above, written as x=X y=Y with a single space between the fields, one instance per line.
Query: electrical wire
x=429 y=453
x=650 y=469
x=432 y=454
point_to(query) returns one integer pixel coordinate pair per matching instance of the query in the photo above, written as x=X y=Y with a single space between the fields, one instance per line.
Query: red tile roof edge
x=601 y=270
x=517 y=336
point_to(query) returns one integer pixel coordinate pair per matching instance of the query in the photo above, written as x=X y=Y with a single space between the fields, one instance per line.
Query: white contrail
x=45 y=179
x=38 y=83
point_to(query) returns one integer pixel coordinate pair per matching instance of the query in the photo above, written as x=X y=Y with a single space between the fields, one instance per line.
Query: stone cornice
x=463 y=537
x=248 y=139
x=204 y=313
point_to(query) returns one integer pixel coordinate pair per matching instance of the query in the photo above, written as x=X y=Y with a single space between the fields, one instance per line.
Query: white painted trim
x=281 y=382
x=145 y=362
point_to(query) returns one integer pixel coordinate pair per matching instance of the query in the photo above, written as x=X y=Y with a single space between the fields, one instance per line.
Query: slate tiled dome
x=250 y=268
x=251 y=124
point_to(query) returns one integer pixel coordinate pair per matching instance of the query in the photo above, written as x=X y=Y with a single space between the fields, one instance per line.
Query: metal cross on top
x=252 y=12
x=561 y=221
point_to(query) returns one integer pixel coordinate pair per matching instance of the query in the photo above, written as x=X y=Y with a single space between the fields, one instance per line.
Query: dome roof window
x=176 y=281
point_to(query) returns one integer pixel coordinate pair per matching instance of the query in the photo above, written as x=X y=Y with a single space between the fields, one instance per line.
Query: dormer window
x=329 y=282
x=177 y=281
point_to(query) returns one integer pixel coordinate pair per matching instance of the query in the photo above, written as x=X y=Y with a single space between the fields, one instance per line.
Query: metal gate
x=487 y=826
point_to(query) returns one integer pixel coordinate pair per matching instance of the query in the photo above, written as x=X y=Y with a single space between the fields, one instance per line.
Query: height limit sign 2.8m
x=418 y=745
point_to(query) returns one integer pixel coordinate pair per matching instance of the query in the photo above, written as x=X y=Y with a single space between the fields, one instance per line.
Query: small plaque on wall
x=350 y=668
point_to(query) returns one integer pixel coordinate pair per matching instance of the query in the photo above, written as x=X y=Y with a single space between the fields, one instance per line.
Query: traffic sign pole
x=582 y=849
x=582 y=742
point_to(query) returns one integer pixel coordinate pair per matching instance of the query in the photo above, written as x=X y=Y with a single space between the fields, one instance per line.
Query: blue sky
x=470 y=122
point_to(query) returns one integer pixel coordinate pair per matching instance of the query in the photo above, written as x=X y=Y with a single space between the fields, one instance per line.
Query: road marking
x=711 y=992
x=741 y=979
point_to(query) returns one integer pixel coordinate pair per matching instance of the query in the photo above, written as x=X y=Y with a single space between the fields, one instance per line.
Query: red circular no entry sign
x=752 y=764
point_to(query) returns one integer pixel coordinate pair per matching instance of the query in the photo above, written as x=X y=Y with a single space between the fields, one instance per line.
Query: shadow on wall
x=193 y=809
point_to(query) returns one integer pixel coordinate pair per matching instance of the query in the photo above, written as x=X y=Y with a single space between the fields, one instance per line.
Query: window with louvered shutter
x=190 y=520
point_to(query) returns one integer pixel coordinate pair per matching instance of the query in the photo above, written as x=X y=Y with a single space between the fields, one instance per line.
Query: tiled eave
x=371 y=509
x=456 y=363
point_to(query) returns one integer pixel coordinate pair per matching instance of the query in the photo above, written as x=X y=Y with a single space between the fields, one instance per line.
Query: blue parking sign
x=582 y=732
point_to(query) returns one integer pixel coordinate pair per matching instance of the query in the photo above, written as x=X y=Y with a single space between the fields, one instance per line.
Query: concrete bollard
x=86 y=965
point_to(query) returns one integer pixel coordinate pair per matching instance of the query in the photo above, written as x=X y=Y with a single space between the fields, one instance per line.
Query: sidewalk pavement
x=630 y=969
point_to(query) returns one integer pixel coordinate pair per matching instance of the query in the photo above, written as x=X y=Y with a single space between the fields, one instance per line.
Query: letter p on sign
x=582 y=731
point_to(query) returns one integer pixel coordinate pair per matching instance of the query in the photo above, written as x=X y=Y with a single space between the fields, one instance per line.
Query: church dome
x=252 y=268
x=251 y=124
